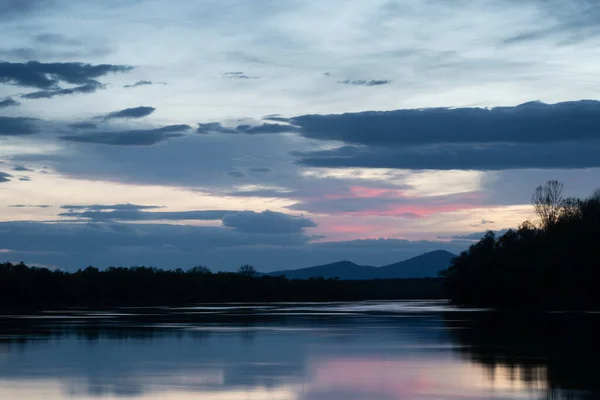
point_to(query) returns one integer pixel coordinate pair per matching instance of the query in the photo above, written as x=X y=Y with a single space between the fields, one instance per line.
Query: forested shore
x=31 y=288
x=552 y=263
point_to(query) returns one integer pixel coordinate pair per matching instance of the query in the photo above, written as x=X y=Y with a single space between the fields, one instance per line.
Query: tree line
x=552 y=263
x=27 y=288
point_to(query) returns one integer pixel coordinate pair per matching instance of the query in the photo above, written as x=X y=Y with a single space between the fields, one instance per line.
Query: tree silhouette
x=247 y=270
x=548 y=202
x=200 y=269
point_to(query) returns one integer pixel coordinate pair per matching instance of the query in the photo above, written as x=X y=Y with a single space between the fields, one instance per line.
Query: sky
x=286 y=134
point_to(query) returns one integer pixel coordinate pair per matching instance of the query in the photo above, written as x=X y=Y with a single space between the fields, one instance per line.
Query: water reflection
x=559 y=351
x=335 y=351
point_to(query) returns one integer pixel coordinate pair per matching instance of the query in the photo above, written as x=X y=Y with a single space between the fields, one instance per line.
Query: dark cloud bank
x=8 y=102
x=48 y=94
x=530 y=135
x=140 y=137
x=129 y=113
x=48 y=77
x=18 y=126
x=266 y=222
x=83 y=125
x=533 y=122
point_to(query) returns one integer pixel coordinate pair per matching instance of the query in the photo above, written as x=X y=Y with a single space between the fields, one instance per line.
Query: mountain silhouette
x=423 y=266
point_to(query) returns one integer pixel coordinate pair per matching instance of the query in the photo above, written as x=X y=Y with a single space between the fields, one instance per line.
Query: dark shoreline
x=25 y=288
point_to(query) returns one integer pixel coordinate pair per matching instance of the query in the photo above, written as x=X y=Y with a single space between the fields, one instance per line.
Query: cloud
x=48 y=94
x=531 y=135
x=29 y=206
x=237 y=75
x=18 y=126
x=8 y=102
x=103 y=207
x=360 y=201
x=361 y=82
x=235 y=174
x=21 y=168
x=47 y=46
x=275 y=117
x=259 y=170
x=488 y=157
x=533 y=122
x=138 y=215
x=4 y=177
x=202 y=161
x=83 y=125
x=213 y=127
x=528 y=123
x=48 y=76
x=570 y=22
x=129 y=113
x=526 y=37
x=265 y=128
x=267 y=222
x=14 y=8
x=55 y=38
x=138 y=83
x=141 y=137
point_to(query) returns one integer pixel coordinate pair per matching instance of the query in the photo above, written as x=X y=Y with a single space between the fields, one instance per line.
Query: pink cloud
x=367 y=192
x=350 y=228
x=343 y=214
x=372 y=223
x=365 y=201
x=413 y=210
x=362 y=192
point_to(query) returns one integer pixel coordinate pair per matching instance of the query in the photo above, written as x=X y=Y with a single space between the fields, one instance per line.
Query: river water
x=325 y=351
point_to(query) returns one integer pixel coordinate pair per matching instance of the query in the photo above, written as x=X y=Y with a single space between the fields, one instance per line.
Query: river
x=327 y=351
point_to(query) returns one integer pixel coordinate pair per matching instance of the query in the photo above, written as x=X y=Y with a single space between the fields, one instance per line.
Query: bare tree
x=201 y=270
x=548 y=202
x=247 y=270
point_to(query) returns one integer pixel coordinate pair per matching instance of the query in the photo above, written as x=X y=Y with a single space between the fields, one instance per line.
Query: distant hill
x=341 y=269
x=425 y=265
